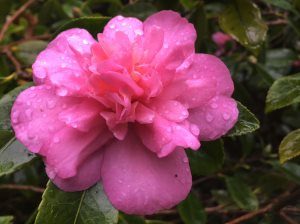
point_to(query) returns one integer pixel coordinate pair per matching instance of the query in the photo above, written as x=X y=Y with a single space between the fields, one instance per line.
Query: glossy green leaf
x=6 y=103
x=5 y=136
x=284 y=4
x=247 y=122
x=292 y=171
x=27 y=51
x=284 y=92
x=208 y=159
x=279 y=61
x=128 y=219
x=86 y=207
x=290 y=146
x=141 y=10
x=241 y=194
x=14 y=156
x=93 y=24
x=6 y=219
x=191 y=210
x=242 y=20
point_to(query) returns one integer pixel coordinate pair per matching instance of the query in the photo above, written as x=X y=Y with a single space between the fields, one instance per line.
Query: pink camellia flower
x=121 y=109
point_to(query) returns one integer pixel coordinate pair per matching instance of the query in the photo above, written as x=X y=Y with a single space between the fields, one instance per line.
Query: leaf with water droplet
x=247 y=122
x=242 y=20
x=285 y=91
x=6 y=103
x=14 y=156
x=89 y=206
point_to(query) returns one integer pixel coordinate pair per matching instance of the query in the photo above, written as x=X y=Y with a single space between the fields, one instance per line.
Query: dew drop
x=138 y=32
x=56 y=139
x=62 y=92
x=185 y=160
x=30 y=135
x=214 y=106
x=166 y=46
x=194 y=129
x=85 y=42
x=112 y=26
x=51 y=104
x=226 y=116
x=209 y=117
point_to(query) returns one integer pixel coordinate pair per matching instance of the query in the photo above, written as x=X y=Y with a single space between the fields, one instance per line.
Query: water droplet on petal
x=112 y=26
x=185 y=160
x=62 y=92
x=15 y=117
x=194 y=129
x=85 y=42
x=51 y=104
x=138 y=32
x=209 y=117
x=226 y=116
x=214 y=105
x=166 y=46
x=56 y=139
x=30 y=135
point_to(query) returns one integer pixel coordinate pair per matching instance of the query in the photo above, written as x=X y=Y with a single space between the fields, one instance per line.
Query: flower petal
x=164 y=136
x=89 y=173
x=35 y=120
x=215 y=118
x=179 y=40
x=205 y=77
x=64 y=62
x=132 y=27
x=137 y=182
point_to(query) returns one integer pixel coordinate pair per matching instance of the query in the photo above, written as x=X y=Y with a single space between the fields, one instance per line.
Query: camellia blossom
x=121 y=109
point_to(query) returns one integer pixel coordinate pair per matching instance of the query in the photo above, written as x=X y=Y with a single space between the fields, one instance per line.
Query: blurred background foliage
x=250 y=176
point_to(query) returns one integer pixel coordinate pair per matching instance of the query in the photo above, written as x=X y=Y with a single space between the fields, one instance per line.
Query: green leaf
x=291 y=170
x=290 y=146
x=279 y=61
x=5 y=136
x=284 y=92
x=247 y=122
x=191 y=210
x=6 y=103
x=241 y=194
x=27 y=51
x=208 y=159
x=94 y=25
x=86 y=207
x=6 y=219
x=13 y=156
x=141 y=10
x=284 y=4
x=128 y=219
x=242 y=20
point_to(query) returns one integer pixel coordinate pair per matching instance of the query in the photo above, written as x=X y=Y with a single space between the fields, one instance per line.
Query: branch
x=11 y=19
x=22 y=187
x=272 y=205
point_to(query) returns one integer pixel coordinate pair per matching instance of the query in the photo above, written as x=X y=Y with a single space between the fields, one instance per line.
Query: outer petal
x=132 y=27
x=89 y=173
x=215 y=118
x=37 y=120
x=206 y=77
x=137 y=182
x=65 y=61
x=179 y=39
